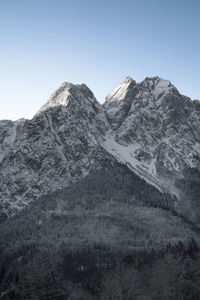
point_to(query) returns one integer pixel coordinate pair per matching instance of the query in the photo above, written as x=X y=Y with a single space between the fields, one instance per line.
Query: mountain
x=154 y=128
x=149 y=126
x=92 y=190
x=57 y=147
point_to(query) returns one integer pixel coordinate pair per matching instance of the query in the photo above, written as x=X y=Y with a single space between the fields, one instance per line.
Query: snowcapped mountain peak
x=156 y=82
x=155 y=86
x=61 y=93
x=121 y=91
x=78 y=93
x=128 y=80
x=156 y=90
x=161 y=85
x=59 y=97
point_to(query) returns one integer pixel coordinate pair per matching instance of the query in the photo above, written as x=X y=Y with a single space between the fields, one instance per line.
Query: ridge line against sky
x=99 y=43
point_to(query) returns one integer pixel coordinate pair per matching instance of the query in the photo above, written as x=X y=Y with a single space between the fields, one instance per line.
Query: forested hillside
x=81 y=241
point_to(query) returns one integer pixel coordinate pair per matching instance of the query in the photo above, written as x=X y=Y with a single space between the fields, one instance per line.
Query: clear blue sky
x=43 y=43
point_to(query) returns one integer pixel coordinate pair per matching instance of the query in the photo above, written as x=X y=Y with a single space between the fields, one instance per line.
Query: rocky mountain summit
x=148 y=126
x=58 y=146
x=155 y=127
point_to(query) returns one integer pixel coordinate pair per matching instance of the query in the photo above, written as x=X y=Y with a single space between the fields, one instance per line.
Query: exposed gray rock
x=152 y=117
x=57 y=147
x=149 y=126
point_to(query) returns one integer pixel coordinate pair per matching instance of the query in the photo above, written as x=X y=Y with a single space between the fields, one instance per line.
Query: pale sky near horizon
x=46 y=42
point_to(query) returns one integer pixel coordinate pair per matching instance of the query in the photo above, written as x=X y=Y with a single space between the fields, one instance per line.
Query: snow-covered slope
x=148 y=126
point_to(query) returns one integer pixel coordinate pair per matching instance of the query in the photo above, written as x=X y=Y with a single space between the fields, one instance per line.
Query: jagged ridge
x=149 y=126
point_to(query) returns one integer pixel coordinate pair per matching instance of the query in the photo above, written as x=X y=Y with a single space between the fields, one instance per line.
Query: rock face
x=58 y=146
x=154 y=127
x=149 y=126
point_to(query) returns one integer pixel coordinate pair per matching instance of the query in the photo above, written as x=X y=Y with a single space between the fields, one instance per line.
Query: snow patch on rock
x=127 y=155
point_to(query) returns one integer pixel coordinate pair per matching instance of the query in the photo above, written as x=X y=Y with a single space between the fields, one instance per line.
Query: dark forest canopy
x=109 y=236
